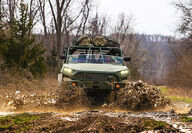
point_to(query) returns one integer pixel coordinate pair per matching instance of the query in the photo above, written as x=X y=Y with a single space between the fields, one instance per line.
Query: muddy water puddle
x=6 y=113
x=88 y=119
x=168 y=117
x=124 y=117
x=77 y=117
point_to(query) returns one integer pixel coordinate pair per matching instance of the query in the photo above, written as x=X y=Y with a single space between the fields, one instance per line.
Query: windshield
x=95 y=58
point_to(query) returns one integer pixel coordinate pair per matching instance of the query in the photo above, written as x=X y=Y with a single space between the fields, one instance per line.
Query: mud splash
x=44 y=102
x=135 y=96
x=69 y=97
x=140 y=96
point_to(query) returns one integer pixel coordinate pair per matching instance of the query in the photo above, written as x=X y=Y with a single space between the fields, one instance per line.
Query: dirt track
x=42 y=116
x=99 y=121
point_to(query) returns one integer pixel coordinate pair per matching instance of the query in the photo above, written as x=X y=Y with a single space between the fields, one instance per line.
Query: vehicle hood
x=88 y=67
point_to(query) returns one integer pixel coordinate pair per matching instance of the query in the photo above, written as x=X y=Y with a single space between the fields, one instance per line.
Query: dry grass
x=11 y=84
x=179 y=95
x=18 y=91
x=180 y=92
x=180 y=75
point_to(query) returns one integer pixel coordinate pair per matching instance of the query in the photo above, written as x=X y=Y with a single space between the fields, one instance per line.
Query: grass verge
x=186 y=119
x=19 y=122
x=154 y=125
x=176 y=96
x=163 y=89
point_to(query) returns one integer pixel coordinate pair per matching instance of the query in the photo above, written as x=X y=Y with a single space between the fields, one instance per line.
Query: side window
x=111 y=51
x=95 y=51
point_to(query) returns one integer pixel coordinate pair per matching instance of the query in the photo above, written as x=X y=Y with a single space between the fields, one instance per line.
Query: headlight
x=68 y=70
x=124 y=72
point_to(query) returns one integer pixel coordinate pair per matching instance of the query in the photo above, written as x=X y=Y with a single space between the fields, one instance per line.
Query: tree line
x=180 y=72
x=59 y=22
x=34 y=32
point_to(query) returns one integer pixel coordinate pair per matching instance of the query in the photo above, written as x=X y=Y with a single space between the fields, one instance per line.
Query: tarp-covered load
x=95 y=40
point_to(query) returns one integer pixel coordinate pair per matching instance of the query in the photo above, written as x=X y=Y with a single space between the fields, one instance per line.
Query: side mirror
x=127 y=58
x=63 y=57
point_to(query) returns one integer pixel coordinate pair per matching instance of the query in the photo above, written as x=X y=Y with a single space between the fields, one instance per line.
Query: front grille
x=97 y=77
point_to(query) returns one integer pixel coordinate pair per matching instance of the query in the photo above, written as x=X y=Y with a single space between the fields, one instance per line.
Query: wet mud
x=72 y=109
x=96 y=121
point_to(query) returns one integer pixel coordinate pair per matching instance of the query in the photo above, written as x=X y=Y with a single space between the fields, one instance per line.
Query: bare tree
x=34 y=8
x=185 y=28
x=0 y=10
x=42 y=4
x=57 y=17
x=81 y=28
x=86 y=13
x=12 y=6
x=98 y=25
x=3 y=12
x=63 y=19
x=186 y=17
x=123 y=33
x=123 y=27
x=180 y=72
x=70 y=19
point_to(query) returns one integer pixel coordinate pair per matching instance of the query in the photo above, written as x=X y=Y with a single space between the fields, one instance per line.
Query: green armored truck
x=94 y=62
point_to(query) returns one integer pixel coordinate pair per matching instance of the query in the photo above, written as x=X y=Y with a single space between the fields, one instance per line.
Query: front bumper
x=97 y=85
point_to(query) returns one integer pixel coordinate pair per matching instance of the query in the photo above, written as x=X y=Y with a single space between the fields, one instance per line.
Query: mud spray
x=74 y=106
x=135 y=96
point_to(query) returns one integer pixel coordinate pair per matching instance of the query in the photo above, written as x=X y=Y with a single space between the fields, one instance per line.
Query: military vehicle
x=94 y=62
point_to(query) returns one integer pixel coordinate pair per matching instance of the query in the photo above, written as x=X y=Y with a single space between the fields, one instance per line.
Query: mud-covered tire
x=97 y=97
x=69 y=96
x=112 y=97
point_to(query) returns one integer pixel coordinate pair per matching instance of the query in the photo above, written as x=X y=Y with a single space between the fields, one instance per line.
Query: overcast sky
x=152 y=16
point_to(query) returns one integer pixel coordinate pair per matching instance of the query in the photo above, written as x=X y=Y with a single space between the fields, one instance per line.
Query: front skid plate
x=96 y=85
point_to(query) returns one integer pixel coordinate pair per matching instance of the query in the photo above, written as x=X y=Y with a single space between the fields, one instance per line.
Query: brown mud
x=71 y=110
x=96 y=121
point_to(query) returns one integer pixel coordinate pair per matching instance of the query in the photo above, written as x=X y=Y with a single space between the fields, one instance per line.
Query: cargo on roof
x=95 y=40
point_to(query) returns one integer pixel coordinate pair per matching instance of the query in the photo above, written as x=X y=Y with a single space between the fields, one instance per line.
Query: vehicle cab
x=94 y=67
